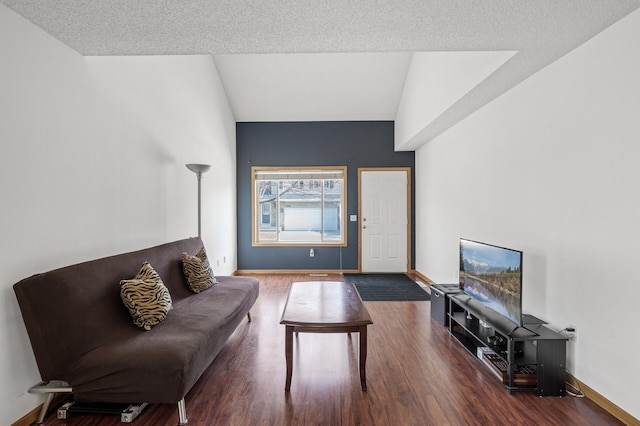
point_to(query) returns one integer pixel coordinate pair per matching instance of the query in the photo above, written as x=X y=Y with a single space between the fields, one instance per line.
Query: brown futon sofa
x=83 y=336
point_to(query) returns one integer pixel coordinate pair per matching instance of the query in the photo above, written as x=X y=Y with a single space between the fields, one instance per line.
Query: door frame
x=407 y=170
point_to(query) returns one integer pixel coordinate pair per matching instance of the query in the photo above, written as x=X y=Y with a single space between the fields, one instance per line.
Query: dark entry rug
x=386 y=287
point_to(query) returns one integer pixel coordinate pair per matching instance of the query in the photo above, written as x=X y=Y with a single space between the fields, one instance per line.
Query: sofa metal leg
x=50 y=388
x=249 y=316
x=45 y=407
x=182 y=412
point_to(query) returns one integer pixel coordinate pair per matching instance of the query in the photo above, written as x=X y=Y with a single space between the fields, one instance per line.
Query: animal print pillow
x=197 y=271
x=146 y=297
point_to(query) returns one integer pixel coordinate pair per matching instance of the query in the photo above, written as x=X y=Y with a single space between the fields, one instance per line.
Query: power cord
x=578 y=392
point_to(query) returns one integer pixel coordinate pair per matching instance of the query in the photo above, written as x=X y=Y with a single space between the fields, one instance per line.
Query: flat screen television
x=492 y=275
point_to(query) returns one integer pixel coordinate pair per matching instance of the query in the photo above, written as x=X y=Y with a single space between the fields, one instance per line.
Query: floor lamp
x=198 y=169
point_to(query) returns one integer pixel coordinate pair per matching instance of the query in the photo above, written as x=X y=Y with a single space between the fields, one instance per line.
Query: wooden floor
x=416 y=375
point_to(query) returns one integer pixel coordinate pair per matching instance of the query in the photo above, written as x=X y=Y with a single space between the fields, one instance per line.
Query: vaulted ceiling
x=309 y=60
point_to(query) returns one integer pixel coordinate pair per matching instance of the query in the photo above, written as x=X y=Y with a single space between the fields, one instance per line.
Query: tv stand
x=525 y=359
x=524 y=330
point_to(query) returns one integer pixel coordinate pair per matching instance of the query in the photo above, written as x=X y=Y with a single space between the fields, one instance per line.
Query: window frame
x=256 y=216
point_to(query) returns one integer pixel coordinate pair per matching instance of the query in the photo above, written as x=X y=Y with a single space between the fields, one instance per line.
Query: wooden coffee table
x=325 y=307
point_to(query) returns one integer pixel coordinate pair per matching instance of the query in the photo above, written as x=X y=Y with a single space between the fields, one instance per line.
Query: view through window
x=299 y=206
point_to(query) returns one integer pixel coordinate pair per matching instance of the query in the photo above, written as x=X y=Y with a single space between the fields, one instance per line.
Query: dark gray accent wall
x=354 y=144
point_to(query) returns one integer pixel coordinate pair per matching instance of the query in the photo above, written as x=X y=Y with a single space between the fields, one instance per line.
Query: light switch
x=353 y=218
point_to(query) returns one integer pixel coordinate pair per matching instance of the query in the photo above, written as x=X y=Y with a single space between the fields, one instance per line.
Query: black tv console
x=528 y=358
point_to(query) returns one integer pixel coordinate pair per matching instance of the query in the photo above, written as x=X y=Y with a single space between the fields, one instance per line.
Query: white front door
x=384 y=220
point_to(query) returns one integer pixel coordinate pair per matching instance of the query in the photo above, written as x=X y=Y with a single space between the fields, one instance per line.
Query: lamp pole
x=199 y=169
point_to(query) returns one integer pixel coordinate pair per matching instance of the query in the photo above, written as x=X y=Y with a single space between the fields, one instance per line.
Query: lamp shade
x=198 y=168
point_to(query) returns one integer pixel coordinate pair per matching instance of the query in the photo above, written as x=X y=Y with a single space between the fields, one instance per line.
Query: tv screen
x=493 y=275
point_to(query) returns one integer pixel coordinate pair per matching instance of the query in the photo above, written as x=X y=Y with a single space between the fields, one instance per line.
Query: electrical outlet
x=312 y=253
x=572 y=332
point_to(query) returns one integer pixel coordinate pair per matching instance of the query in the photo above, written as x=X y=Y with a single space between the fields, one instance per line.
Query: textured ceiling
x=150 y=27
x=539 y=30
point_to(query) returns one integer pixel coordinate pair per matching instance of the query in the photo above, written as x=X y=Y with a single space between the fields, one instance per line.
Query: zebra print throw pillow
x=197 y=271
x=146 y=297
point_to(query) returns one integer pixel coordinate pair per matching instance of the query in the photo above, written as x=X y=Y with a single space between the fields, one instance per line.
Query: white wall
x=551 y=168
x=435 y=81
x=92 y=155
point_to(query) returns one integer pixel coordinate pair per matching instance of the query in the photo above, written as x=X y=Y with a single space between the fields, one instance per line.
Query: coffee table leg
x=363 y=356
x=288 y=354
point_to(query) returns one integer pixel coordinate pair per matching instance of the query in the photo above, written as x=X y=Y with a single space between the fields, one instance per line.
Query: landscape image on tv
x=492 y=275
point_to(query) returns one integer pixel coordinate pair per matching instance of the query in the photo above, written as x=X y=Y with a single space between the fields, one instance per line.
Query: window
x=299 y=205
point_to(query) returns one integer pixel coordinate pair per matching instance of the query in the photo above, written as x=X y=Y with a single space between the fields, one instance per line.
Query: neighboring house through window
x=299 y=205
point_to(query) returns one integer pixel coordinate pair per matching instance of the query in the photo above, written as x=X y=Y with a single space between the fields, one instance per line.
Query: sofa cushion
x=146 y=297
x=197 y=271
x=162 y=365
